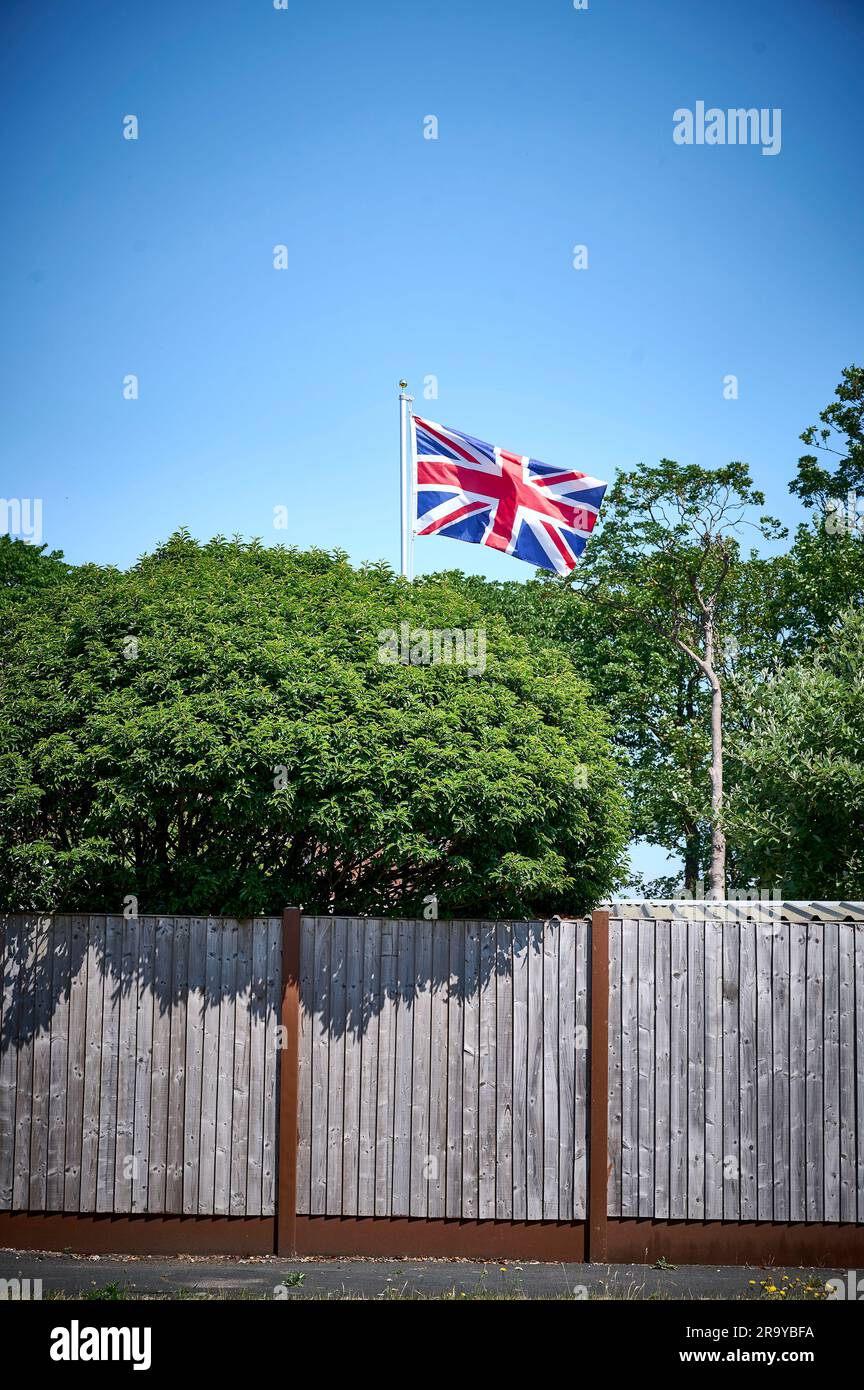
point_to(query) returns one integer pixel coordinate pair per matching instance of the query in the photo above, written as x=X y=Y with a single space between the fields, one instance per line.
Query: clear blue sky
x=409 y=256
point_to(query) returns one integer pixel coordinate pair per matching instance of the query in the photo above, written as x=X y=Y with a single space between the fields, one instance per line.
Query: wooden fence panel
x=105 y=1023
x=477 y=1034
x=734 y=1092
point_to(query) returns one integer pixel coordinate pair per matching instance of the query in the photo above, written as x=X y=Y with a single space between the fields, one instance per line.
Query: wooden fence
x=443 y=1069
x=354 y=1074
x=138 y=1065
x=736 y=1067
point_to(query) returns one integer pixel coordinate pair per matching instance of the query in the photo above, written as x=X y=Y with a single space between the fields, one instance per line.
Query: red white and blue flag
x=478 y=493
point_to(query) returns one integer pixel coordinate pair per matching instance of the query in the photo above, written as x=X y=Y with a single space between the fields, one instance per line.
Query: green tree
x=215 y=731
x=797 y=808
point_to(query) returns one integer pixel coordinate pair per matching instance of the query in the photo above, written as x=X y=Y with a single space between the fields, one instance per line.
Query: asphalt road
x=74 y=1275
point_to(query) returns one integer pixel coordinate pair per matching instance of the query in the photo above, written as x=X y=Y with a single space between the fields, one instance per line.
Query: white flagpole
x=403 y=491
x=412 y=488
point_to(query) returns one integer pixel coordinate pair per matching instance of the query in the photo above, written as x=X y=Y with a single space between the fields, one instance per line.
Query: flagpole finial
x=403 y=384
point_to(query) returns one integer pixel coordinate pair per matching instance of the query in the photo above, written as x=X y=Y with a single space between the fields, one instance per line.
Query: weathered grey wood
x=160 y=1079
x=305 y=1117
x=748 y=1069
x=503 y=1073
x=336 y=1064
x=814 y=1113
x=629 y=1068
x=486 y=1144
x=765 y=1072
x=320 y=1070
x=386 y=1069
x=39 y=1125
x=353 y=1057
x=438 y=1069
x=551 y=1044
x=404 y=1064
x=24 y=1080
x=143 y=1061
x=534 y=1128
x=471 y=1073
x=797 y=1072
x=615 y=1102
x=210 y=1069
x=831 y=1073
x=696 y=1069
x=112 y=990
x=846 y=1041
x=420 y=1168
x=368 y=1043
x=645 y=1066
x=202 y=967
x=11 y=965
x=520 y=953
x=731 y=1075
x=780 y=1037
x=567 y=1067
x=176 y=1100
x=225 y=1071
x=714 y=1159
x=126 y=1045
x=92 y=1064
x=239 y=1151
x=455 y=1042
x=662 y=1062
x=581 y=1014
x=678 y=1071
x=859 y=1053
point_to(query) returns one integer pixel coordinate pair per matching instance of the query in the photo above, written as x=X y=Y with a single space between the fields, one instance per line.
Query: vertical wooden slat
x=748 y=1067
x=112 y=993
x=764 y=1072
x=225 y=1071
x=386 y=1070
x=404 y=1059
x=353 y=1055
x=534 y=1127
x=289 y=1077
x=305 y=1118
x=662 y=1061
x=24 y=1082
x=420 y=1171
x=780 y=1038
x=210 y=1068
x=731 y=1077
x=551 y=1044
x=521 y=951
x=583 y=1014
x=504 y=1072
x=143 y=1062
x=336 y=1066
x=567 y=1058
x=629 y=1068
x=679 y=1099
x=696 y=1068
x=370 y=1017
x=645 y=1068
x=859 y=1069
x=92 y=1064
x=713 y=1069
x=488 y=1000
x=124 y=1156
x=11 y=963
x=201 y=974
x=814 y=1113
x=277 y=974
x=160 y=1079
x=471 y=1074
x=178 y=985
x=241 y=1092
x=44 y=938
x=831 y=1073
x=438 y=1069
x=455 y=1042
x=598 y=1163
x=320 y=1069
x=797 y=1071
x=846 y=1040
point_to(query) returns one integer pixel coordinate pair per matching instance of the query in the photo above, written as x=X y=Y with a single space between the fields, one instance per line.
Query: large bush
x=214 y=731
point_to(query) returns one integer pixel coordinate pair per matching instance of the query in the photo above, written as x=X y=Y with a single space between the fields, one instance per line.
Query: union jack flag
x=478 y=493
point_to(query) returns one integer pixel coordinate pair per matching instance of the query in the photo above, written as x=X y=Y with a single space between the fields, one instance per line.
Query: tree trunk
x=691 y=861
x=717 y=879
